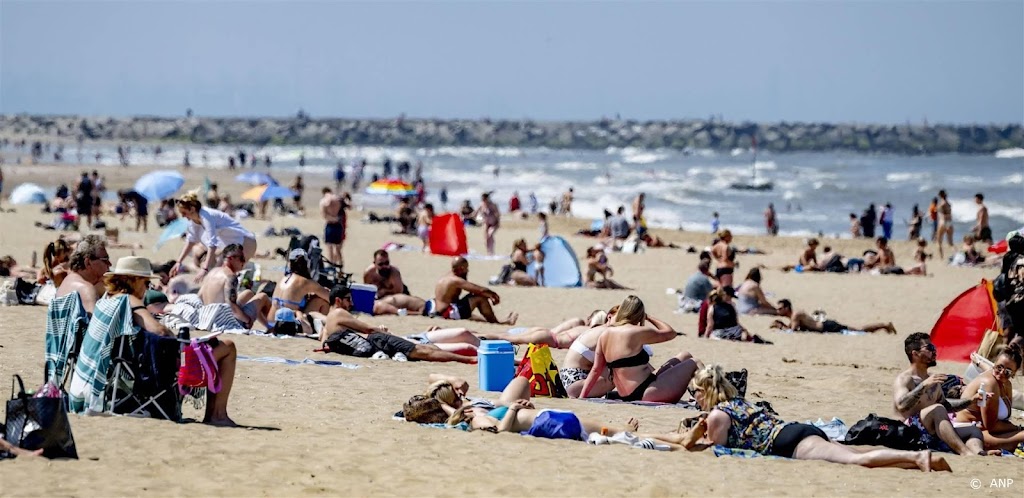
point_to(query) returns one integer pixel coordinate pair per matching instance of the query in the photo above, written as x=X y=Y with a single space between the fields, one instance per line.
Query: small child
x=426 y=217
x=538 y=258
x=920 y=268
x=715 y=223
x=543 y=225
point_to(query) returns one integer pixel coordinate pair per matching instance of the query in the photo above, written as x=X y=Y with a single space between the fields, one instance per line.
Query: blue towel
x=304 y=361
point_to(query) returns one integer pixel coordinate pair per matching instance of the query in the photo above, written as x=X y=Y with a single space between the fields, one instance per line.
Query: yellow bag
x=538 y=366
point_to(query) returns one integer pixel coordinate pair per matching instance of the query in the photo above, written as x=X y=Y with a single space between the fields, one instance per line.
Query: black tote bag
x=39 y=423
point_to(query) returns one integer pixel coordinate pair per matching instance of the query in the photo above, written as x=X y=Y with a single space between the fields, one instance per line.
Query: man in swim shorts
x=392 y=294
x=345 y=334
x=800 y=321
x=331 y=207
x=918 y=398
x=448 y=304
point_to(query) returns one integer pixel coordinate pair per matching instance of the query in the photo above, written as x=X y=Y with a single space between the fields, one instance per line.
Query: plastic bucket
x=496 y=365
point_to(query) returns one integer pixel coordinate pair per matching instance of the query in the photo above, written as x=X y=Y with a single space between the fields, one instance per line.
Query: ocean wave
x=905 y=176
x=966 y=211
x=575 y=166
x=1014 y=179
x=1014 y=153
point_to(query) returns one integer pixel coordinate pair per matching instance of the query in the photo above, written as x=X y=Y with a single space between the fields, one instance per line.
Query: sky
x=853 y=61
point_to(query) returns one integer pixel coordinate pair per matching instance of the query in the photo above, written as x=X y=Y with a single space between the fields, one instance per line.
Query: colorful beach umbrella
x=159 y=185
x=268 y=192
x=256 y=178
x=28 y=193
x=390 y=186
x=173 y=230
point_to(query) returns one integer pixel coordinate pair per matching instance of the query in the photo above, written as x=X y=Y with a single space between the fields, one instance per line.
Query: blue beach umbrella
x=159 y=185
x=173 y=230
x=256 y=178
x=268 y=192
x=28 y=193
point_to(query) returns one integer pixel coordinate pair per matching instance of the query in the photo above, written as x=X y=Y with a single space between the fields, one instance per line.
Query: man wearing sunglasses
x=919 y=399
x=392 y=294
x=221 y=286
x=87 y=264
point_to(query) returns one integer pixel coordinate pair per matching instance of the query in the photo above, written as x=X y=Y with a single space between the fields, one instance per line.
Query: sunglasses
x=930 y=347
x=1002 y=369
x=694 y=390
x=105 y=259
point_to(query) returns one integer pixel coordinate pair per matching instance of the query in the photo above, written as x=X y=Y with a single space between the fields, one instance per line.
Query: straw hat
x=132 y=266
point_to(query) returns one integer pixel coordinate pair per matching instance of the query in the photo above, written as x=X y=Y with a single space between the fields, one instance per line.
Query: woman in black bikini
x=519 y=275
x=298 y=292
x=621 y=349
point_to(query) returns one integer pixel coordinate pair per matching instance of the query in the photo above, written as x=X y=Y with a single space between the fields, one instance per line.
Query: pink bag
x=199 y=369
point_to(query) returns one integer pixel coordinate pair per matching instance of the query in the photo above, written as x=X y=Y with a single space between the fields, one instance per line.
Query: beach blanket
x=111 y=320
x=686 y=405
x=721 y=451
x=844 y=332
x=65 y=317
x=304 y=361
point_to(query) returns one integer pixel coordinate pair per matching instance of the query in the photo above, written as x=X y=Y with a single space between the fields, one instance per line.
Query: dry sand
x=317 y=430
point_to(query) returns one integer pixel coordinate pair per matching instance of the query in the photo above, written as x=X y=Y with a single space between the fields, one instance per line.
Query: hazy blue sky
x=764 y=61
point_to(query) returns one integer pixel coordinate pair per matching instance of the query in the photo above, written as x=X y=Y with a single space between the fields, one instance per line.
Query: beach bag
x=991 y=344
x=39 y=422
x=881 y=431
x=199 y=369
x=538 y=366
x=505 y=275
x=739 y=381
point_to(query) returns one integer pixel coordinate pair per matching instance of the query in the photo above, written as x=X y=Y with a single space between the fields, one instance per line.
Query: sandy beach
x=314 y=430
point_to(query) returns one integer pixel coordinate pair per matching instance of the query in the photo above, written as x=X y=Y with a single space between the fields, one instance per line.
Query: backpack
x=881 y=431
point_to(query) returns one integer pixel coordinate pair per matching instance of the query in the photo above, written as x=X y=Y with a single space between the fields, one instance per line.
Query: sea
x=814 y=192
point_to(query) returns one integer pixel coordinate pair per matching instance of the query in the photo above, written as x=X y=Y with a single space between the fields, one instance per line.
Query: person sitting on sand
x=392 y=294
x=809 y=256
x=579 y=360
x=87 y=265
x=354 y=332
x=298 y=292
x=918 y=398
x=882 y=258
x=724 y=255
x=698 y=286
x=968 y=255
x=723 y=321
x=221 y=286
x=519 y=275
x=448 y=304
x=750 y=297
x=999 y=433
x=55 y=262
x=597 y=263
x=800 y=321
x=131 y=276
x=737 y=423
x=621 y=349
x=920 y=258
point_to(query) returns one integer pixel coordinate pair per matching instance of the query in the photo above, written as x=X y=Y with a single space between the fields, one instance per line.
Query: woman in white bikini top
x=999 y=432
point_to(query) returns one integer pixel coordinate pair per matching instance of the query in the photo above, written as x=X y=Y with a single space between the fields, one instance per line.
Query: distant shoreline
x=683 y=135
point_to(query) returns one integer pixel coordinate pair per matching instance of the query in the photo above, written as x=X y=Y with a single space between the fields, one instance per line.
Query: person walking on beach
x=982 y=232
x=854 y=226
x=444 y=198
x=533 y=203
x=339 y=176
x=566 y=206
x=945 y=222
x=298 y=187
x=84 y=198
x=2 y=185
x=715 y=222
x=771 y=222
x=867 y=221
x=933 y=215
x=885 y=221
x=492 y=219
x=916 y=220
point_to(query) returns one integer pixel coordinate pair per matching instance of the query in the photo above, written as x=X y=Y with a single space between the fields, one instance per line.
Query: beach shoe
x=625 y=438
x=380 y=355
x=649 y=444
x=400 y=357
x=596 y=438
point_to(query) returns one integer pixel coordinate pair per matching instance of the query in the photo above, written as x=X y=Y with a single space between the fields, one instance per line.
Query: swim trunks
x=832 y=326
x=570 y=376
x=930 y=440
x=723 y=271
x=334 y=233
x=557 y=424
x=459 y=310
x=390 y=344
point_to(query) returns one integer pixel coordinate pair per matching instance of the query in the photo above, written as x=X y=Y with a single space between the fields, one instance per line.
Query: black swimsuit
x=639 y=359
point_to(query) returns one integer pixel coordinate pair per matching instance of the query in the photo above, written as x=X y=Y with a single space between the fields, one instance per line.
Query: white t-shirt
x=216 y=230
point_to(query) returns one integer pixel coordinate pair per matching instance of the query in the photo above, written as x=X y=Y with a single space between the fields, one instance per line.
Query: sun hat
x=132 y=266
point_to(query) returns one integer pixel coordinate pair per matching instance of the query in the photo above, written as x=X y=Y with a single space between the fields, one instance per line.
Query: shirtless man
x=567 y=198
x=87 y=264
x=945 y=222
x=884 y=259
x=362 y=339
x=919 y=399
x=982 y=232
x=800 y=321
x=809 y=257
x=391 y=291
x=334 y=229
x=221 y=286
x=448 y=304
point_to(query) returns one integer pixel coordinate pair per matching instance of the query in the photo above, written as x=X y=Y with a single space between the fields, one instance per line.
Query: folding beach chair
x=66 y=322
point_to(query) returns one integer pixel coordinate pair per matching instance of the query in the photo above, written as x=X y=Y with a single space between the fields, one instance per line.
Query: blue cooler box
x=496 y=364
x=362 y=297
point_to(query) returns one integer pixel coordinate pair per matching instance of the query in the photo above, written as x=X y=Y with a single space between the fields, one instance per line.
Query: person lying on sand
x=364 y=340
x=558 y=337
x=448 y=304
x=736 y=423
x=392 y=294
x=800 y=321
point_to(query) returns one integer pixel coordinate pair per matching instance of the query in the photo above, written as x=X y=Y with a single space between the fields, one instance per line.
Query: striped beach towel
x=189 y=311
x=65 y=319
x=111 y=320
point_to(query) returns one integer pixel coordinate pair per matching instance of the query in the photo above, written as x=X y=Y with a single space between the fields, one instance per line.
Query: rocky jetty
x=694 y=134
